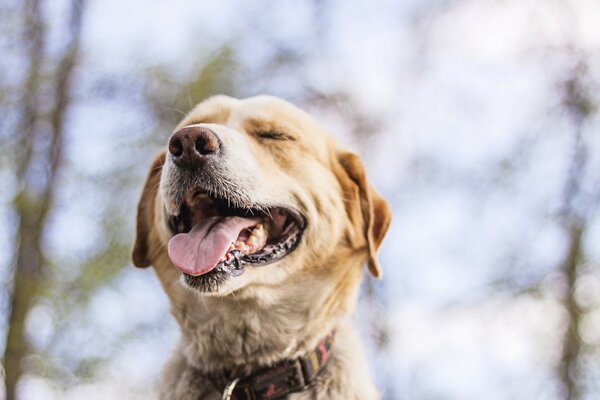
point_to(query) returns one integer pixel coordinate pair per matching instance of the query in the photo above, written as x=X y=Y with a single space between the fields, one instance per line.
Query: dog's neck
x=231 y=332
x=246 y=331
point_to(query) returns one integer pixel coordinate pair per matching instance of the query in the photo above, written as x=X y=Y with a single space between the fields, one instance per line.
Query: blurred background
x=477 y=119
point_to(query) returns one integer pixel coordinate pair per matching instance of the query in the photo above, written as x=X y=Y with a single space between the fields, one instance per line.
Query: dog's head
x=252 y=192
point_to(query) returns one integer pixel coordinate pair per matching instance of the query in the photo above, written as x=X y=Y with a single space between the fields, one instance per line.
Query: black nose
x=191 y=146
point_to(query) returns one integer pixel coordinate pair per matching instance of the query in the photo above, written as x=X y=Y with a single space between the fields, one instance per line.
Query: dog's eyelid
x=274 y=135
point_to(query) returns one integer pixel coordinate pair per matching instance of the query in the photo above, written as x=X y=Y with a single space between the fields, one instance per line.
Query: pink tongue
x=198 y=251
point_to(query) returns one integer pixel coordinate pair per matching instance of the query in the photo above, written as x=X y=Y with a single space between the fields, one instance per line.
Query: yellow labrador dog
x=258 y=224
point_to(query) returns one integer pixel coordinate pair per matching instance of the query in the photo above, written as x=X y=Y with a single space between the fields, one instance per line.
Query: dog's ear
x=145 y=214
x=367 y=210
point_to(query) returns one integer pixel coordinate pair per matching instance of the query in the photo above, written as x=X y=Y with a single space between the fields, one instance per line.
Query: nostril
x=206 y=144
x=175 y=147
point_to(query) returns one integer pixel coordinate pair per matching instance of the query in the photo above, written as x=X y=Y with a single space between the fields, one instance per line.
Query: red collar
x=280 y=379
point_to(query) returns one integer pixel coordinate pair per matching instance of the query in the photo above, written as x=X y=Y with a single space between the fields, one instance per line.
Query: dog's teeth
x=257 y=239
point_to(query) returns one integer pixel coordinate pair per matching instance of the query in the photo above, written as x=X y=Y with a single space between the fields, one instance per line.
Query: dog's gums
x=213 y=237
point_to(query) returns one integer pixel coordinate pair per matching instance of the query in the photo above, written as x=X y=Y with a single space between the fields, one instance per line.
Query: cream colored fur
x=284 y=309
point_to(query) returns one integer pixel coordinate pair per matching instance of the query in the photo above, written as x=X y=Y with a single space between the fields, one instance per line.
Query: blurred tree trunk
x=569 y=368
x=39 y=144
x=579 y=105
x=28 y=257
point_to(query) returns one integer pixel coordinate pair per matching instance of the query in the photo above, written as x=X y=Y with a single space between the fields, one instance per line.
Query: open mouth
x=212 y=236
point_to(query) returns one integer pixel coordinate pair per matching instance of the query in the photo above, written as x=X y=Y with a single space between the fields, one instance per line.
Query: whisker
x=204 y=303
x=178 y=110
x=235 y=298
x=157 y=251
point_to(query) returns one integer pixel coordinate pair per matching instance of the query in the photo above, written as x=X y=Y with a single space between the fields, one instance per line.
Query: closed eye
x=274 y=135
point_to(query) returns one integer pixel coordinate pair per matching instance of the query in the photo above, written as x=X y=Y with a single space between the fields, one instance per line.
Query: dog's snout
x=191 y=146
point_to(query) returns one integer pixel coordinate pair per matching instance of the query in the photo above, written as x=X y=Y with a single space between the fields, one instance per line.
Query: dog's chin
x=213 y=283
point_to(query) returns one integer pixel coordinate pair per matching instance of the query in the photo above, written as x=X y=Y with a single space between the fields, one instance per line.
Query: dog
x=258 y=225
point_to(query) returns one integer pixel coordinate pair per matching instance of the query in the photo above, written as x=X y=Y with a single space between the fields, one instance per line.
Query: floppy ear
x=145 y=214
x=367 y=210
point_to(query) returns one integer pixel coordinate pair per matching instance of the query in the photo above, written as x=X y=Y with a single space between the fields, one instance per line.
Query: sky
x=472 y=154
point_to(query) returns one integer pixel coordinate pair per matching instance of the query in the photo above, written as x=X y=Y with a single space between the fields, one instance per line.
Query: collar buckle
x=229 y=388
